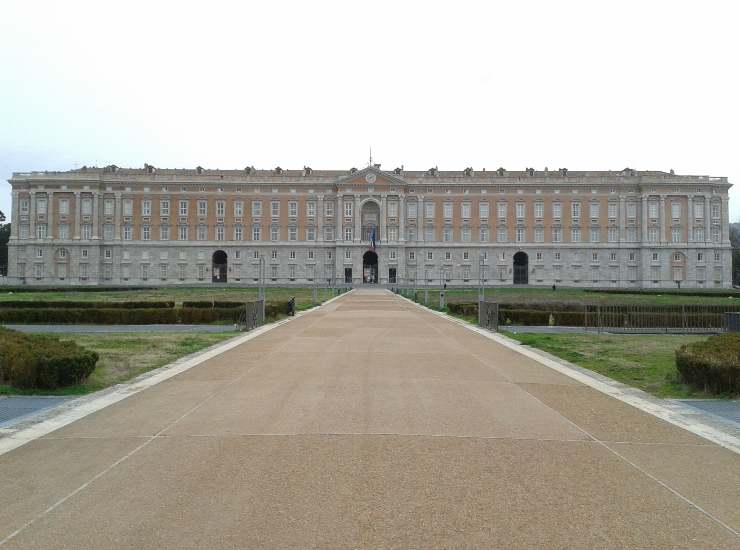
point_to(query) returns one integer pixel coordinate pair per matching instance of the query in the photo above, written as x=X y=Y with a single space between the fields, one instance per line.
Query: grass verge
x=125 y=356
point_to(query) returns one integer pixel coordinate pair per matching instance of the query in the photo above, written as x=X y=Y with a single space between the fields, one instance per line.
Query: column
x=339 y=213
x=725 y=220
x=622 y=219
x=690 y=218
x=707 y=219
x=663 y=239
x=50 y=215
x=96 y=207
x=383 y=220
x=15 y=217
x=357 y=219
x=644 y=222
x=320 y=220
x=78 y=214
x=174 y=207
x=32 y=215
x=401 y=218
x=420 y=220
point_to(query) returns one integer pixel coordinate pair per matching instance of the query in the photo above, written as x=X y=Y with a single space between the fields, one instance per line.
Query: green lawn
x=646 y=362
x=540 y=295
x=124 y=356
x=302 y=295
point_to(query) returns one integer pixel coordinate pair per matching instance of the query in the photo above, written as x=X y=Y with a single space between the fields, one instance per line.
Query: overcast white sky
x=582 y=85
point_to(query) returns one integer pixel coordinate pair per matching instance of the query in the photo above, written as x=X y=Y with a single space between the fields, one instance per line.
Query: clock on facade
x=370 y=178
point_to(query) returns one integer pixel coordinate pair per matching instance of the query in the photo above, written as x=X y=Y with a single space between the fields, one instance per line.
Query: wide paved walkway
x=370 y=423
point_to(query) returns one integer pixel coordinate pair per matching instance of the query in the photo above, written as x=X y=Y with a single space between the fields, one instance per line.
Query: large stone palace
x=151 y=226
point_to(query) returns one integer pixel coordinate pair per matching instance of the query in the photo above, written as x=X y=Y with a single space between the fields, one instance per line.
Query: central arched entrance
x=521 y=268
x=220 y=263
x=370 y=267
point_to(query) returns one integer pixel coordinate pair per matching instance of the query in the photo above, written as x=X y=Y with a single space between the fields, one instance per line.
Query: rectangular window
x=557 y=235
x=465 y=210
x=202 y=208
x=310 y=233
x=163 y=271
x=311 y=209
x=557 y=210
x=447 y=208
x=428 y=209
x=715 y=211
x=256 y=233
x=595 y=235
x=501 y=235
x=715 y=234
x=63 y=231
x=483 y=210
x=412 y=255
x=181 y=271
x=699 y=234
x=146 y=207
x=575 y=235
x=256 y=209
x=465 y=234
x=653 y=234
x=347 y=233
x=430 y=256
x=291 y=255
x=239 y=209
x=329 y=208
x=539 y=234
x=293 y=209
x=275 y=209
x=520 y=208
x=347 y=209
x=613 y=234
x=164 y=232
x=182 y=232
x=274 y=232
x=632 y=234
x=41 y=205
x=631 y=210
x=675 y=235
x=448 y=256
x=429 y=233
x=220 y=209
x=183 y=208
x=144 y=232
x=411 y=210
x=675 y=210
x=613 y=210
x=594 y=210
x=501 y=209
x=202 y=234
x=128 y=206
x=484 y=235
x=328 y=233
x=64 y=206
x=201 y=272
x=127 y=232
x=652 y=210
x=293 y=233
x=539 y=209
x=220 y=232
x=556 y=256
x=41 y=231
x=164 y=207
x=392 y=233
x=466 y=256
x=87 y=207
x=520 y=234
x=24 y=206
x=698 y=210
x=716 y=257
x=145 y=272
x=575 y=210
x=447 y=234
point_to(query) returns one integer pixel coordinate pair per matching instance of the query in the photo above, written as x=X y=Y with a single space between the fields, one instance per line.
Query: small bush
x=34 y=361
x=42 y=304
x=712 y=365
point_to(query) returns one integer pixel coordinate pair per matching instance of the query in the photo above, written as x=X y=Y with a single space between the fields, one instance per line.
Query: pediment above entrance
x=371 y=177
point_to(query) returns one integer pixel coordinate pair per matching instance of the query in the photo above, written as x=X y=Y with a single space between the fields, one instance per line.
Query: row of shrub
x=43 y=304
x=669 y=291
x=142 y=316
x=712 y=365
x=212 y=304
x=35 y=361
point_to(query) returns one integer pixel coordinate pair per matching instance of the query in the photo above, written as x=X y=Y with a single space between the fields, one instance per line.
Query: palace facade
x=113 y=226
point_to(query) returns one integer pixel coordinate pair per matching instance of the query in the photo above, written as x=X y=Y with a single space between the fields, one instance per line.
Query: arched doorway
x=220 y=263
x=370 y=267
x=521 y=268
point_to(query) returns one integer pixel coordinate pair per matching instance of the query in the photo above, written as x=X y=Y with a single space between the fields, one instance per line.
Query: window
x=520 y=210
x=347 y=209
x=632 y=234
x=274 y=272
x=128 y=206
x=715 y=234
x=652 y=210
x=539 y=256
x=328 y=233
x=675 y=210
x=329 y=208
x=557 y=235
x=163 y=271
x=310 y=233
x=613 y=256
x=612 y=210
x=483 y=210
x=429 y=209
x=501 y=235
x=411 y=233
x=484 y=235
x=39 y=252
x=201 y=272
x=392 y=233
x=274 y=232
x=595 y=236
x=256 y=233
x=698 y=209
x=447 y=208
x=520 y=234
x=501 y=209
x=465 y=234
x=412 y=255
x=238 y=233
x=24 y=232
x=699 y=234
x=677 y=257
x=392 y=209
x=41 y=205
x=256 y=209
x=311 y=209
x=539 y=209
x=631 y=257
x=183 y=209
x=575 y=210
x=716 y=257
x=539 y=234
x=557 y=210
x=594 y=210
x=448 y=256
x=181 y=272
x=164 y=207
x=594 y=256
x=429 y=233
x=219 y=232
x=220 y=209
x=430 y=255
x=146 y=207
x=293 y=233
x=64 y=206
x=275 y=209
x=447 y=234
x=107 y=272
x=87 y=207
x=699 y=257
x=465 y=210
x=274 y=254
x=126 y=231
x=84 y=253
x=715 y=211
x=202 y=208
x=613 y=234
x=63 y=231
x=24 y=206
x=347 y=233
x=575 y=235
x=411 y=210
x=653 y=234
x=41 y=231
x=291 y=255
x=292 y=209
x=182 y=232
x=466 y=255
x=310 y=255
x=145 y=272
x=202 y=233
x=238 y=209
x=145 y=233
x=347 y=254
x=108 y=254
x=291 y=272
x=675 y=235
x=164 y=232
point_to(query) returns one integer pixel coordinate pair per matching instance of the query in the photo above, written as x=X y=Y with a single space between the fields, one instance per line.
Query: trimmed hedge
x=143 y=316
x=41 y=304
x=35 y=361
x=712 y=365
x=212 y=304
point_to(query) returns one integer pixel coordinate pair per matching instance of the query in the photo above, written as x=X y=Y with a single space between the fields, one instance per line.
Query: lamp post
x=261 y=291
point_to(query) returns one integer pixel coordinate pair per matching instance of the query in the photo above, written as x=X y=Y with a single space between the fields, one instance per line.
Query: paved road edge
x=80 y=408
x=675 y=413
